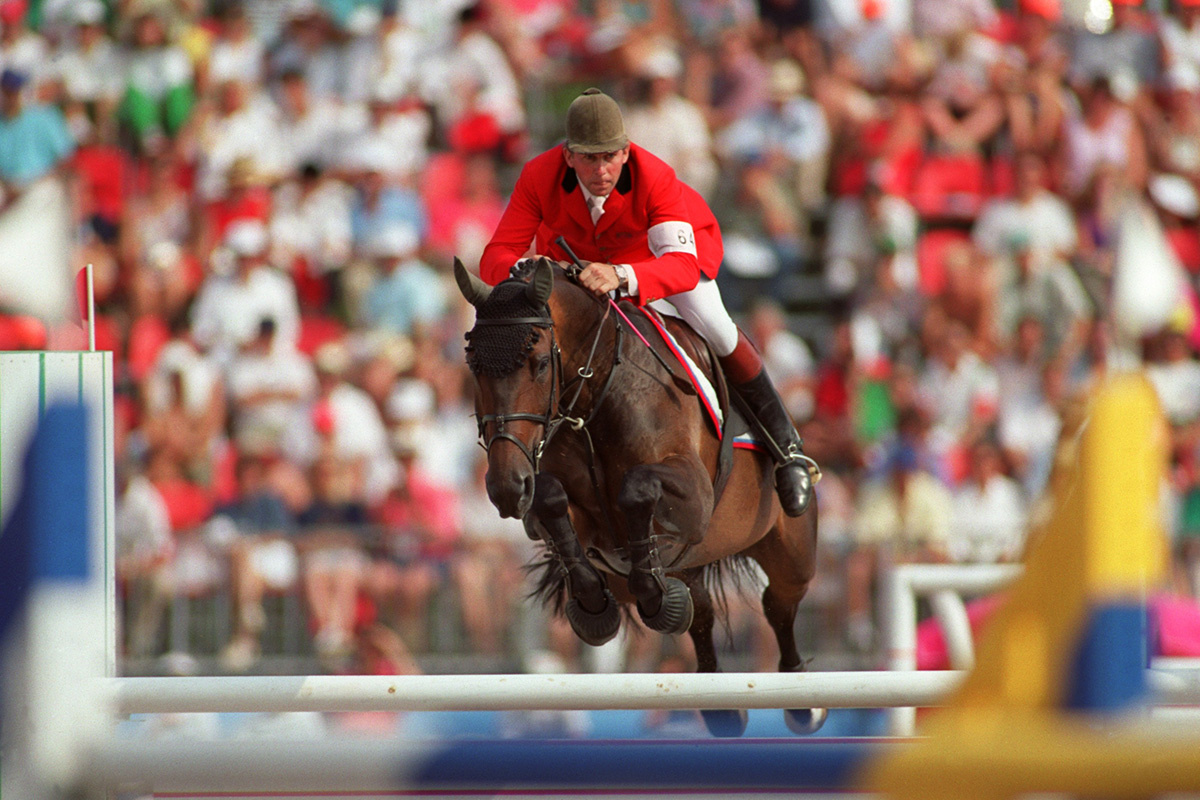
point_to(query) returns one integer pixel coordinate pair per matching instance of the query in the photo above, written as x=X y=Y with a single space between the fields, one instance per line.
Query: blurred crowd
x=922 y=203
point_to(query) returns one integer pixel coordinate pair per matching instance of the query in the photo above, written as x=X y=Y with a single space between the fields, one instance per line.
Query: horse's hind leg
x=591 y=609
x=787 y=555
x=720 y=722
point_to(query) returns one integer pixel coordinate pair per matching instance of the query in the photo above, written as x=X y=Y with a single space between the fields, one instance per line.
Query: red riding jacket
x=652 y=221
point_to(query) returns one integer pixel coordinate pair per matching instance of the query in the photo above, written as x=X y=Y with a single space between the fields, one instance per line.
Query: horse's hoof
x=803 y=721
x=675 y=614
x=726 y=723
x=594 y=629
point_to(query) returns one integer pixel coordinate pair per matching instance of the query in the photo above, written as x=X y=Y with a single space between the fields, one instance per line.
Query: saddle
x=695 y=369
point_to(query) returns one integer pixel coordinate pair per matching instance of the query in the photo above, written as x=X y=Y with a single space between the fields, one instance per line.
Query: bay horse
x=596 y=443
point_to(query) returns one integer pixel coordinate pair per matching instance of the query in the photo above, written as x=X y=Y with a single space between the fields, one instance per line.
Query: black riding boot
x=792 y=479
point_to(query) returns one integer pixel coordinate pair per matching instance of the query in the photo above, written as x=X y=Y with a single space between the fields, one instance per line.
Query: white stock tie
x=596 y=208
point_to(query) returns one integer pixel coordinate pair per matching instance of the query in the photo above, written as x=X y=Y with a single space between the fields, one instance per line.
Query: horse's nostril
x=528 y=486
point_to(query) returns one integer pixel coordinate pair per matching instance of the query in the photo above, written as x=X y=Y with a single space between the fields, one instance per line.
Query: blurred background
x=922 y=203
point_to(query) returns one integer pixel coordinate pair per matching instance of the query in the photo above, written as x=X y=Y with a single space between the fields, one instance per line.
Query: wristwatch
x=622 y=276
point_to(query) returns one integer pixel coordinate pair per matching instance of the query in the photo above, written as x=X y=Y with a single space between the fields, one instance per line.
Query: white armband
x=674 y=236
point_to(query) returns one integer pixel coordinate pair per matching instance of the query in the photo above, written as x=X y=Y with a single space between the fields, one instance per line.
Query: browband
x=542 y=322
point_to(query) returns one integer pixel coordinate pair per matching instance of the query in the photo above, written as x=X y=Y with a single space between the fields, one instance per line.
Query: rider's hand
x=599 y=278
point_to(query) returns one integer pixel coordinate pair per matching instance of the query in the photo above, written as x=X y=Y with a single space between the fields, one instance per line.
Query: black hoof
x=675 y=613
x=726 y=723
x=594 y=629
x=803 y=721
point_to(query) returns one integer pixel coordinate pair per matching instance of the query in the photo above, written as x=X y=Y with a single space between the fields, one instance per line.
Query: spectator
x=230 y=304
x=309 y=126
x=959 y=386
x=269 y=385
x=344 y=421
x=232 y=132
x=145 y=550
x=395 y=125
x=236 y=54
x=487 y=569
x=89 y=64
x=1104 y=132
x=420 y=523
x=34 y=140
x=739 y=82
x=21 y=49
x=476 y=65
x=904 y=516
x=1034 y=219
x=672 y=128
x=988 y=514
x=382 y=202
x=407 y=296
x=1129 y=48
x=463 y=214
x=257 y=529
x=311 y=230
x=786 y=357
x=786 y=146
x=159 y=95
x=1029 y=429
x=334 y=526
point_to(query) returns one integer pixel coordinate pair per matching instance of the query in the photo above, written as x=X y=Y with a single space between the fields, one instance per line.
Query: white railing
x=944 y=585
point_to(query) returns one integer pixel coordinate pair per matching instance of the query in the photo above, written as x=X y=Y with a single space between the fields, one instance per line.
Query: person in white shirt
x=1034 y=218
x=269 y=384
x=671 y=127
x=989 y=514
x=245 y=118
x=89 y=65
x=229 y=306
x=237 y=54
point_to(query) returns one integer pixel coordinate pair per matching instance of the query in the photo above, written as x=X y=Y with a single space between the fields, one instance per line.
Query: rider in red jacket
x=641 y=231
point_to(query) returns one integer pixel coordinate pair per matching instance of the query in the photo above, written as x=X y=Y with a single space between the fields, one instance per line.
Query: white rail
x=568 y=691
x=533 y=692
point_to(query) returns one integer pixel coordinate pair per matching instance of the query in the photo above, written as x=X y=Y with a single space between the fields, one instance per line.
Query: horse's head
x=513 y=355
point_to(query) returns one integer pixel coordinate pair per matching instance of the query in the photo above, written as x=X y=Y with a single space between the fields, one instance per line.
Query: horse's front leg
x=671 y=493
x=591 y=608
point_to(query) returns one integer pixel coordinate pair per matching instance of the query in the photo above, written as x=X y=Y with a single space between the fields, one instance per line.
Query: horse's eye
x=543 y=366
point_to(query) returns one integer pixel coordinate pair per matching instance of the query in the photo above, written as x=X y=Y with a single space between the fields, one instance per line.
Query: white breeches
x=703 y=309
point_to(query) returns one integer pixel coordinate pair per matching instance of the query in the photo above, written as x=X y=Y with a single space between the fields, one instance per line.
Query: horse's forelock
x=494 y=351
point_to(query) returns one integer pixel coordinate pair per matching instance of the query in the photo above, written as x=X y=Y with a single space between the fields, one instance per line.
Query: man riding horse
x=641 y=231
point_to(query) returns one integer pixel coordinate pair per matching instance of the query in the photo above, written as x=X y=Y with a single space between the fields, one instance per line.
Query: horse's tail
x=738 y=573
x=549 y=582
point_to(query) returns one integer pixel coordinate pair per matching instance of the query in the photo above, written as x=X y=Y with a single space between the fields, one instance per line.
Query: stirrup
x=794 y=456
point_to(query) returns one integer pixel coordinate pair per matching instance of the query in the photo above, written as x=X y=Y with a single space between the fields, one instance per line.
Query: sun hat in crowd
x=787 y=79
x=595 y=124
x=247 y=237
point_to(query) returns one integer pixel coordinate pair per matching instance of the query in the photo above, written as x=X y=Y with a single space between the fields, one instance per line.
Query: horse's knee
x=641 y=489
x=549 y=497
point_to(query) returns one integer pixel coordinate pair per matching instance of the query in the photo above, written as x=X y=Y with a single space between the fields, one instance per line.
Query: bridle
x=553 y=418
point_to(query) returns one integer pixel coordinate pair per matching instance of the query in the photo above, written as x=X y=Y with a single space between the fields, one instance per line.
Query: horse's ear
x=472 y=288
x=542 y=283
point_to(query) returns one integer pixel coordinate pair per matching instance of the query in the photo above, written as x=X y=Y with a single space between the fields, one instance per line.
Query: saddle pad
x=709 y=400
